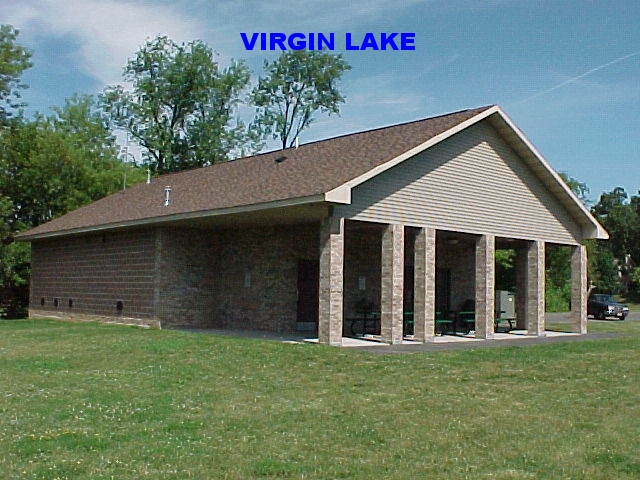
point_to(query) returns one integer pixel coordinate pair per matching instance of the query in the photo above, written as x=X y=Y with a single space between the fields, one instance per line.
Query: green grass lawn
x=89 y=401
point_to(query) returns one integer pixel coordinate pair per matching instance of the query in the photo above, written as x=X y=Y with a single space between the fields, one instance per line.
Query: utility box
x=505 y=304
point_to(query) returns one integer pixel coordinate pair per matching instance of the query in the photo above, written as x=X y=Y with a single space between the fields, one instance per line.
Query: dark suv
x=602 y=306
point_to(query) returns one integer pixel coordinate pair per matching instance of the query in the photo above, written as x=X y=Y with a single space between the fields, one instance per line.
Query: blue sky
x=567 y=72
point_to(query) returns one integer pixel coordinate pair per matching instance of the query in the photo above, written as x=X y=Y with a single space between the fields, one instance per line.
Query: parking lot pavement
x=564 y=317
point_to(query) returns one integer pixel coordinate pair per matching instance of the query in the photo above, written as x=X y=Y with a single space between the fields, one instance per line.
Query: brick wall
x=270 y=257
x=460 y=260
x=236 y=278
x=241 y=278
x=362 y=258
x=89 y=275
x=185 y=277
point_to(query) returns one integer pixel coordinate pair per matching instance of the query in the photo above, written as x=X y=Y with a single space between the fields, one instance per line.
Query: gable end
x=472 y=182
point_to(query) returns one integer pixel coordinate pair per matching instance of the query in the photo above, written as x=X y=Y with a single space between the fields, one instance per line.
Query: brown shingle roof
x=312 y=169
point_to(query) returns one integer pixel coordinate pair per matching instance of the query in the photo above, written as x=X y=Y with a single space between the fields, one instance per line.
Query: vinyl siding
x=472 y=182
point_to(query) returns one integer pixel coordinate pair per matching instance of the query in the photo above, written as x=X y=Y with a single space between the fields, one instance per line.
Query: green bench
x=444 y=324
x=467 y=320
x=499 y=319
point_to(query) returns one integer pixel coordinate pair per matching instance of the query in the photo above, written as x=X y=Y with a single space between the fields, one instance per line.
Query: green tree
x=48 y=167
x=14 y=59
x=505 y=269
x=621 y=217
x=558 y=278
x=56 y=164
x=635 y=203
x=635 y=281
x=181 y=107
x=603 y=269
x=580 y=189
x=297 y=84
x=609 y=201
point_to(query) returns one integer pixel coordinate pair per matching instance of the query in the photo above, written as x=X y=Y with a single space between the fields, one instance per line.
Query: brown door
x=308 y=290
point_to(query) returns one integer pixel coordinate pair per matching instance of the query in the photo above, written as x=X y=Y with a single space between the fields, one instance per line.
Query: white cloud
x=381 y=91
x=104 y=32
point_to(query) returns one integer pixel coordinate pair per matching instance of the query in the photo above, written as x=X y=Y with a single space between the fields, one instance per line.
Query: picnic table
x=466 y=320
x=499 y=319
x=370 y=322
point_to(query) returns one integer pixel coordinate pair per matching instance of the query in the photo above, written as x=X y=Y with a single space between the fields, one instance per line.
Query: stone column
x=391 y=318
x=521 y=289
x=485 y=286
x=535 y=289
x=331 y=281
x=424 y=285
x=579 y=289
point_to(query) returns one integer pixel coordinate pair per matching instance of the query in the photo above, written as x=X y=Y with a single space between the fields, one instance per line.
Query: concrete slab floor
x=451 y=342
x=444 y=342
x=448 y=342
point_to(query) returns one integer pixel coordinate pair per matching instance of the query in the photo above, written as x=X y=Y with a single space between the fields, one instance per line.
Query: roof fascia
x=341 y=194
x=175 y=217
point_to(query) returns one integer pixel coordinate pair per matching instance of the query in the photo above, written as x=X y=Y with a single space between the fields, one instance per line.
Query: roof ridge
x=370 y=130
x=315 y=142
